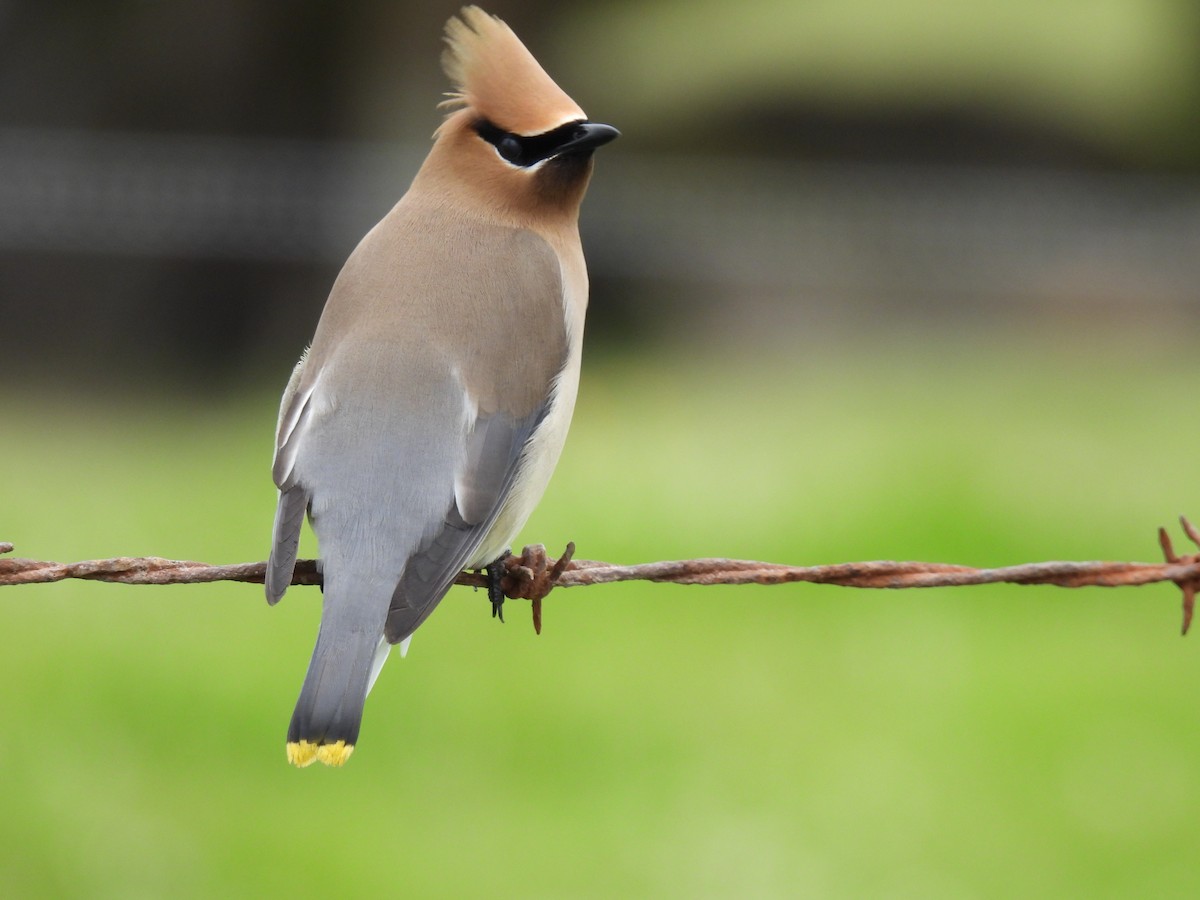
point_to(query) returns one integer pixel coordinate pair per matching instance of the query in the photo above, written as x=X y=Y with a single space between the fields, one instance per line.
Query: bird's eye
x=508 y=145
x=510 y=148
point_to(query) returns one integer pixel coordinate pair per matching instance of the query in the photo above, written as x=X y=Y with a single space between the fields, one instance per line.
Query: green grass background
x=655 y=740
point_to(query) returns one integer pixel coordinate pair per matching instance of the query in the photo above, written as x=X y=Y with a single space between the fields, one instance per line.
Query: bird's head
x=512 y=137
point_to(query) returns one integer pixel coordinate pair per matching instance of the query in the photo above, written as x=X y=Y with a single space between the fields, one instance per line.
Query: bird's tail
x=349 y=653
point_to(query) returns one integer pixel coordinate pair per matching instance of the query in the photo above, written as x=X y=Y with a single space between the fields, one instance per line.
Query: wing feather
x=494 y=454
x=294 y=412
x=285 y=542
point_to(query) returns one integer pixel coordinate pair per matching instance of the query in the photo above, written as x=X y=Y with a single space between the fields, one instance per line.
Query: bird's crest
x=495 y=76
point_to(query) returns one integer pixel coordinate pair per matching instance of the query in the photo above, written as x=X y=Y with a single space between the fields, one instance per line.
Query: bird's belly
x=541 y=456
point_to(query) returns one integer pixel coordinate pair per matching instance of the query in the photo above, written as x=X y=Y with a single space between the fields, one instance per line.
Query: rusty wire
x=532 y=575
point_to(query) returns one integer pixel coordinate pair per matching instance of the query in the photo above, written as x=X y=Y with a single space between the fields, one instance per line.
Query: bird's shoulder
x=425 y=271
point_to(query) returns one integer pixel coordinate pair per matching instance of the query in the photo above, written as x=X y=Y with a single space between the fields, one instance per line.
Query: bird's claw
x=495 y=571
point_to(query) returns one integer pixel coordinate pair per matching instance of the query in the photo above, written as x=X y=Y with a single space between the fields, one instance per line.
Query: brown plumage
x=496 y=77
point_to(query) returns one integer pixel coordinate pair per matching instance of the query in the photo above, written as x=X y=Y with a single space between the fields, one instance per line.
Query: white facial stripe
x=531 y=168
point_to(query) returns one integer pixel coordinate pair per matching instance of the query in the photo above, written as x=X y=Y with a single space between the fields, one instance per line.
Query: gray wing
x=285 y=542
x=294 y=412
x=493 y=459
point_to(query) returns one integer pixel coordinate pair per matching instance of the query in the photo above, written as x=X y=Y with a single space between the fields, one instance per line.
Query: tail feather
x=343 y=668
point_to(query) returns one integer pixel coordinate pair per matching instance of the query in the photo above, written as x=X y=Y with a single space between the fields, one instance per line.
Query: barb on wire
x=533 y=575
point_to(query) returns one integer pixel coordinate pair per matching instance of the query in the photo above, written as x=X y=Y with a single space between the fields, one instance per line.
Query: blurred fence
x=904 y=231
x=191 y=197
x=733 y=226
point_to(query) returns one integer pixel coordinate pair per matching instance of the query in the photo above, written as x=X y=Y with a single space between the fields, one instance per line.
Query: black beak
x=586 y=137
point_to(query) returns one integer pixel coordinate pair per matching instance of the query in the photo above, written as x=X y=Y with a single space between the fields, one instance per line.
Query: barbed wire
x=532 y=575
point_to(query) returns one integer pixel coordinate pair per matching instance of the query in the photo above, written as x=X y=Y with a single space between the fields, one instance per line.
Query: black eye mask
x=576 y=138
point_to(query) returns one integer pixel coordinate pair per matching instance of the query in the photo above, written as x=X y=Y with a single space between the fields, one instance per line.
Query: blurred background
x=910 y=280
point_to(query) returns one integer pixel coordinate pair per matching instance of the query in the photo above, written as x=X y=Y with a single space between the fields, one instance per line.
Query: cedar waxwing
x=421 y=426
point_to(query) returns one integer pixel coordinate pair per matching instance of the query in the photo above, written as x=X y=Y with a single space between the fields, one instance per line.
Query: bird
x=421 y=426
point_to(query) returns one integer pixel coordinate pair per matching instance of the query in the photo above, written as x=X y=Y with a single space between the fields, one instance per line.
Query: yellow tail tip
x=335 y=754
x=305 y=753
x=301 y=753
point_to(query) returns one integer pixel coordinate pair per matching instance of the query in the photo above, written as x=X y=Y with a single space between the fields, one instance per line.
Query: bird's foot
x=495 y=571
